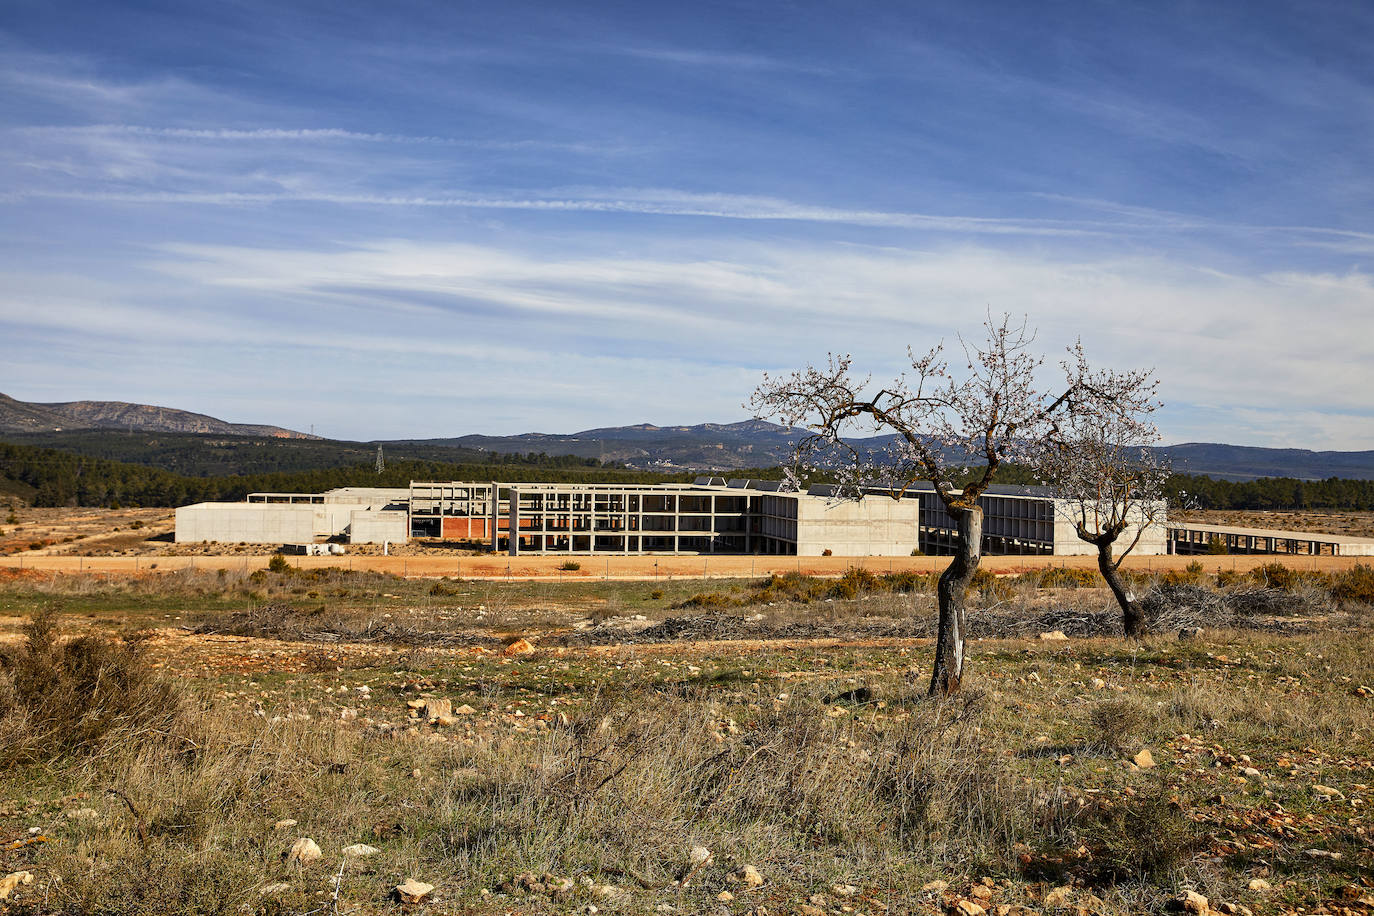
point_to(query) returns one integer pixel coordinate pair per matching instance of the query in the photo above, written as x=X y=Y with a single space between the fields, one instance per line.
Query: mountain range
x=702 y=447
x=29 y=417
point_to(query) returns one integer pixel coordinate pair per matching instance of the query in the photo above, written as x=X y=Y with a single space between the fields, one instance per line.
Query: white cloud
x=1285 y=356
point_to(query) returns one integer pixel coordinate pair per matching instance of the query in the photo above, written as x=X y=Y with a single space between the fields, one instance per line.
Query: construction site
x=711 y=515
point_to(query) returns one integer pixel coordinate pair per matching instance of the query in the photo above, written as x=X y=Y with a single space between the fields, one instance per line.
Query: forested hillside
x=196 y=455
x=57 y=478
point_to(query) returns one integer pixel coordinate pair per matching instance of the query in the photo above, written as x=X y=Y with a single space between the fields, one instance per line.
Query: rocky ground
x=535 y=763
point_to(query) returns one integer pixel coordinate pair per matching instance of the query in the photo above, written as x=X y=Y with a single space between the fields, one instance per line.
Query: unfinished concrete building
x=710 y=515
x=362 y=515
x=1196 y=538
x=714 y=515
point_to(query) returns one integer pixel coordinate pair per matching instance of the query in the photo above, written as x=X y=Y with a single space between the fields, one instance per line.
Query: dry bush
x=1142 y=838
x=1354 y=585
x=1118 y=724
x=61 y=699
x=1063 y=577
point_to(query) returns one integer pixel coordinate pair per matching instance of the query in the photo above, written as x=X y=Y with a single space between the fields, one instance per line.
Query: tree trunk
x=948 y=675
x=1132 y=618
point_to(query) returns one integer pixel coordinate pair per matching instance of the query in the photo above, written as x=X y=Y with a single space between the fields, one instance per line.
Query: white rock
x=285 y=824
x=360 y=850
x=279 y=887
x=13 y=880
x=435 y=708
x=304 y=851
x=1054 y=635
x=749 y=876
x=412 y=891
x=699 y=855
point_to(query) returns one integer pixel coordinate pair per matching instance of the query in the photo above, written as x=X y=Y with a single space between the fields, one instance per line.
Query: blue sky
x=430 y=219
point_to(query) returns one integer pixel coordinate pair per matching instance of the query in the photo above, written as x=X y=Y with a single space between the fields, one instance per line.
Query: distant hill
x=705 y=446
x=26 y=417
x=1242 y=462
x=207 y=455
x=197 y=445
x=754 y=443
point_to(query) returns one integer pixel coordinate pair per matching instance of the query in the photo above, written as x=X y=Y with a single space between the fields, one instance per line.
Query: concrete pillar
x=513 y=522
x=493 y=516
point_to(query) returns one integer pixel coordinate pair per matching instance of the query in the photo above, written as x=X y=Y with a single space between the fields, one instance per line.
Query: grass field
x=584 y=756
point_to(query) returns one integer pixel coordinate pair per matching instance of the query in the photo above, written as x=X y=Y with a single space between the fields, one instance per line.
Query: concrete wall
x=875 y=526
x=332 y=519
x=369 y=526
x=251 y=523
x=1154 y=542
x=377 y=497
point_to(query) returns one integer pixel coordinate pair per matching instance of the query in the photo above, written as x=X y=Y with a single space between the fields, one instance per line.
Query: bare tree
x=941 y=422
x=1107 y=477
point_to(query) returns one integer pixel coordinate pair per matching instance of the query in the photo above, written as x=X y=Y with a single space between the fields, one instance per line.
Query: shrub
x=990 y=586
x=1354 y=585
x=1190 y=575
x=711 y=601
x=70 y=699
x=827 y=552
x=1064 y=577
x=1274 y=575
x=570 y=565
x=278 y=564
x=1118 y=724
x=1229 y=577
x=906 y=582
x=656 y=594
x=1143 y=837
x=852 y=584
x=1216 y=546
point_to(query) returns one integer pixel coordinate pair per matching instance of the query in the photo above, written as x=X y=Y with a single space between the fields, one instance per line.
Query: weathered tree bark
x=952 y=590
x=1132 y=618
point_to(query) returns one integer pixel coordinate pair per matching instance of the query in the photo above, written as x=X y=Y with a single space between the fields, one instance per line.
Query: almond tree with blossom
x=1109 y=479
x=943 y=423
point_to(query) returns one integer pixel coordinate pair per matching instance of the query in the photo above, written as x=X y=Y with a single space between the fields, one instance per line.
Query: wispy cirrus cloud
x=648 y=202
x=302 y=134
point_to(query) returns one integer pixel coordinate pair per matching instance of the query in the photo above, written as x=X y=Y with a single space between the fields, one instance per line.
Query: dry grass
x=75 y=698
x=618 y=791
x=821 y=766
